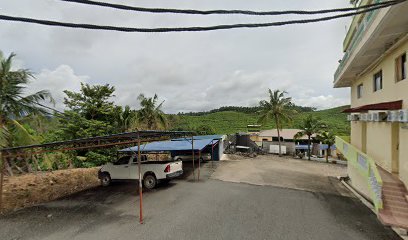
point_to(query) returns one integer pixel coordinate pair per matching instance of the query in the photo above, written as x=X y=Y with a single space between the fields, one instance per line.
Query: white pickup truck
x=125 y=168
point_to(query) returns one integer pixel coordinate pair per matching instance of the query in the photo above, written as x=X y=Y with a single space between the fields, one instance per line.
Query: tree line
x=250 y=110
x=25 y=120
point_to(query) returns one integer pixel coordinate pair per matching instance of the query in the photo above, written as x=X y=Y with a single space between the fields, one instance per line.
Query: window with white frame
x=401 y=67
x=378 y=81
x=360 y=91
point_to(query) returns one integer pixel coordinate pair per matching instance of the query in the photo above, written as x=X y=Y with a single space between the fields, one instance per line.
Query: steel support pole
x=199 y=164
x=3 y=165
x=192 y=149
x=139 y=165
x=212 y=153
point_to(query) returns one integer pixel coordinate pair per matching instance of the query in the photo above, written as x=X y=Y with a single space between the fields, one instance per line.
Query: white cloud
x=56 y=81
x=191 y=71
x=322 y=102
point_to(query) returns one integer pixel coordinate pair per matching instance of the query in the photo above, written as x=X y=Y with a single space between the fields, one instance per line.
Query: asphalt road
x=209 y=209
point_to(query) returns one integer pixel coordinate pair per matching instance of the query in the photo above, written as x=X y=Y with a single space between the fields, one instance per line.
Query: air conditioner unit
x=379 y=116
x=383 y=116
x=363 y=117
x=393 y=116
x=355 y=117
x=403 y=115
x=376 y=116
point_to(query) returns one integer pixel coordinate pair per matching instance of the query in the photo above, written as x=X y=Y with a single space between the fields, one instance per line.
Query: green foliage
x=232 y=122
x=150 y=116
x=204 y=130
x=15 y=104
x=346 y=138
x=55 y=161
x=73 y=126
x=249 y=110
x=327 y=138
x=90 y=113
x=310 y=125
x=124 y=118
x=93 y=159
x=277 y=109
x=92 y=102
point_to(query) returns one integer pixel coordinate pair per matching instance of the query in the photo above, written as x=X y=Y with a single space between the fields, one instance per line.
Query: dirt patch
x=30 y=189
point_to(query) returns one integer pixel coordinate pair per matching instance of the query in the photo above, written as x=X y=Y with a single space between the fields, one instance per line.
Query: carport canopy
x=164 y=146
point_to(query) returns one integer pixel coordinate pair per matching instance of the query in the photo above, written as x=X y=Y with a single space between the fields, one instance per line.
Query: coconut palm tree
x=277 y=109
x=327 y=138
x=151 y=114
x=310 y=126
x=14 y=104
x=124 y=118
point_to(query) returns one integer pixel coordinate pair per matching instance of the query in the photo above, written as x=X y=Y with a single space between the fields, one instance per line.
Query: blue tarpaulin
x=180 y=145
x=321 y=147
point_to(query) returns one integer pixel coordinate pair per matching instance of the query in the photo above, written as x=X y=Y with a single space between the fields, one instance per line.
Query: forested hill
x=228 y=120
x=251 y=110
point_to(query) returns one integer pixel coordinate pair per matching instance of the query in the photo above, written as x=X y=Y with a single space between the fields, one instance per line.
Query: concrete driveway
x=284 y=172
x=209 y=209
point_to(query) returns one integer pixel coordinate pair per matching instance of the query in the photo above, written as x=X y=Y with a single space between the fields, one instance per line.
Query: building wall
x=403 y=156
x=392 y=90
x=356 y=134
x=379 y=143
x=290 y=146
x=386 y=142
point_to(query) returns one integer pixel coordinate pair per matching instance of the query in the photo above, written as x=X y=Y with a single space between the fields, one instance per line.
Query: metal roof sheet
x=180 y=145
x=396 y=105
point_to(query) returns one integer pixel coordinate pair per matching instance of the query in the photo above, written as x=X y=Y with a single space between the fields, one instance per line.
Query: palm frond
x=300 y=134
x=20 y=135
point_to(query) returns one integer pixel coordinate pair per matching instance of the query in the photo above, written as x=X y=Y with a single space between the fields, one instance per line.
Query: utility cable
x=186 y=29
x=209 y=12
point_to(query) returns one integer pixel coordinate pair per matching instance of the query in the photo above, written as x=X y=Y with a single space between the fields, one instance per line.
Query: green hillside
x=227 y=122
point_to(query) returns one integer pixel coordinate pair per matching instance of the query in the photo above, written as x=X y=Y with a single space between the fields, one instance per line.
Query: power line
x=209 y=12
x=49 y=108
x=46 y=107
x=187 y=29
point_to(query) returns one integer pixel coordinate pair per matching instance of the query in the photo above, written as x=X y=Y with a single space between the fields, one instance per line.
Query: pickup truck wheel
x=149 y=181
x=105 y=180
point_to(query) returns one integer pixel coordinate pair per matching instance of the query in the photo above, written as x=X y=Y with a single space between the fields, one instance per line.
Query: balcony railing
x=366 y=167
x=356 y=38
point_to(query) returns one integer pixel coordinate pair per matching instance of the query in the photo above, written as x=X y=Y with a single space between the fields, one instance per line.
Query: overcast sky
x=190 y=71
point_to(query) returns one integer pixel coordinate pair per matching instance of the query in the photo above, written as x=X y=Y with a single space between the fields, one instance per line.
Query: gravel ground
x=208 y=209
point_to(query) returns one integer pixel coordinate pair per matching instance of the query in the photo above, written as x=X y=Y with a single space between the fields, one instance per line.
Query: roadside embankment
x=30 y=189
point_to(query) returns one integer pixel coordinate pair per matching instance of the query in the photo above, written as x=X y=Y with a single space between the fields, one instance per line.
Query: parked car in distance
x=189 y=157
x=153 y=172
